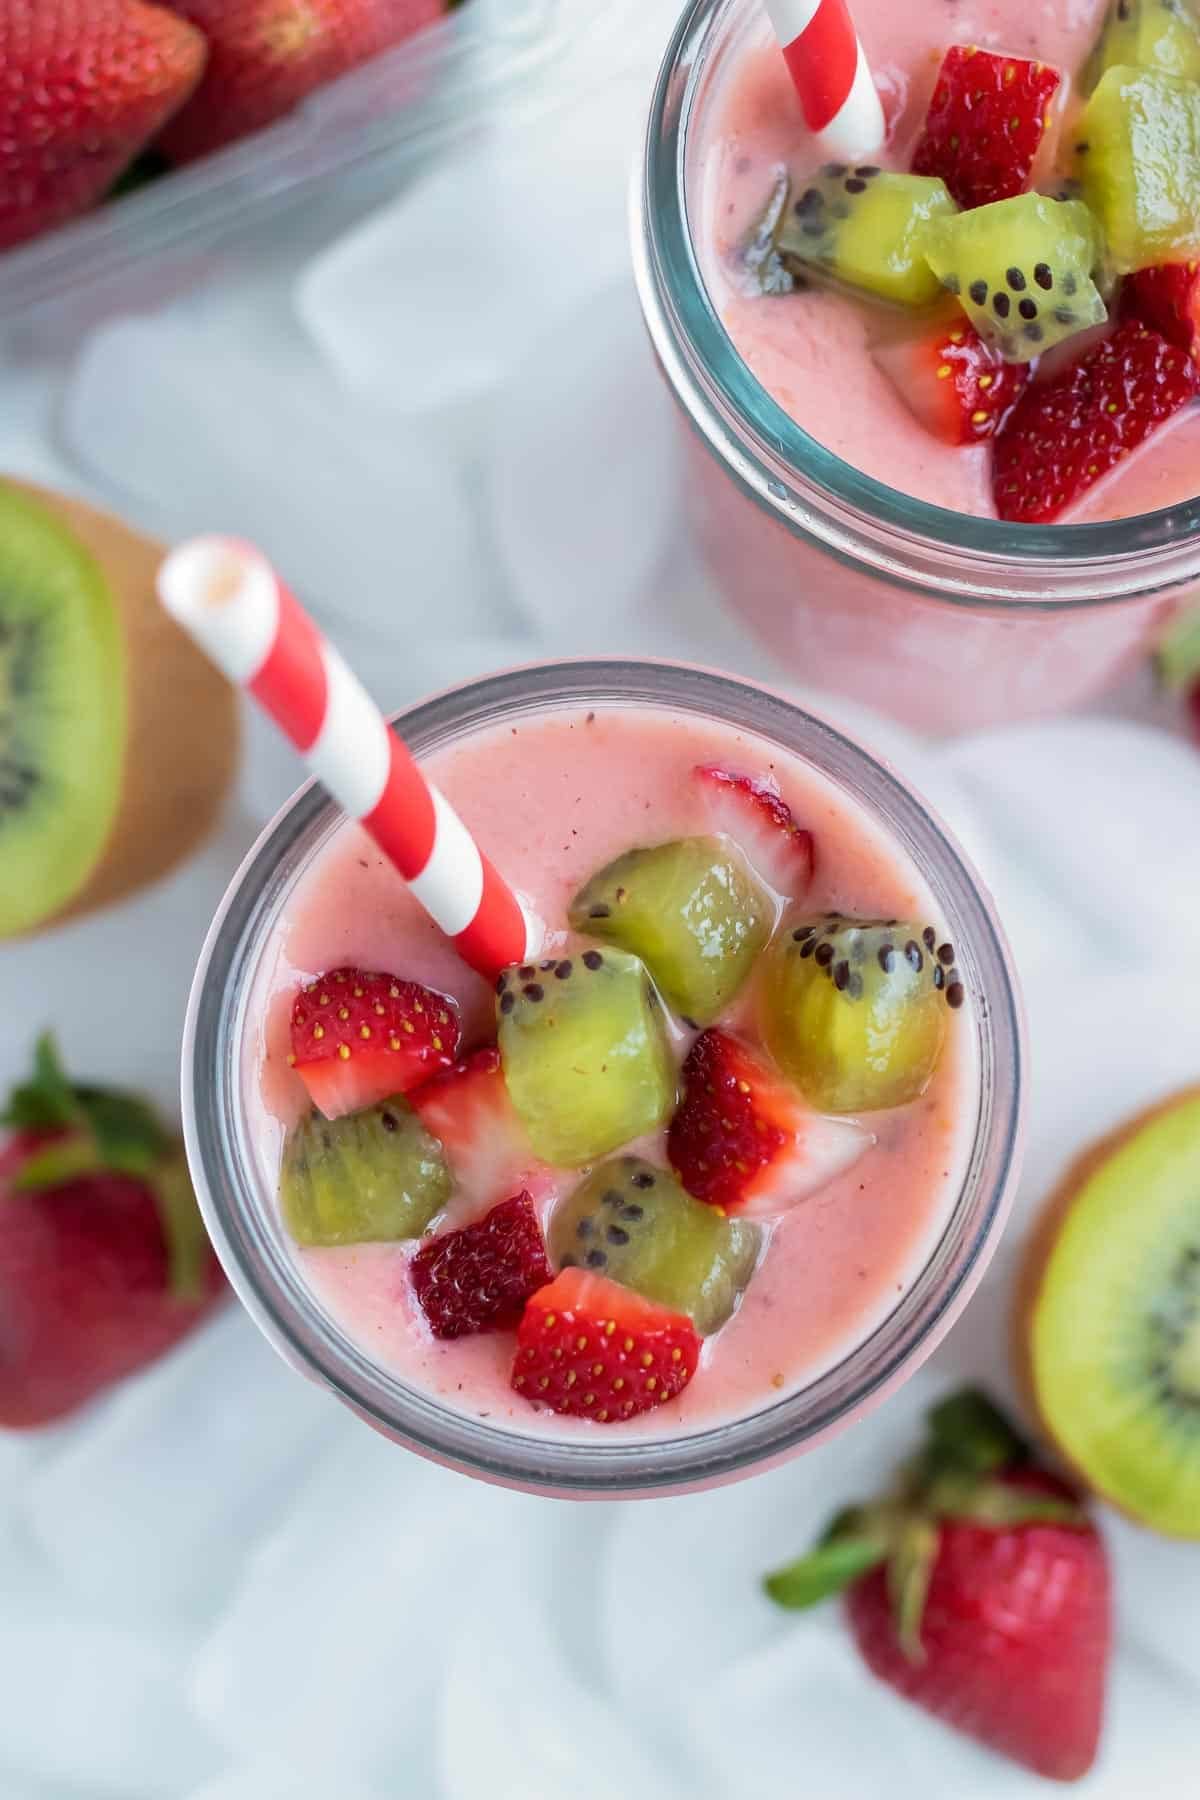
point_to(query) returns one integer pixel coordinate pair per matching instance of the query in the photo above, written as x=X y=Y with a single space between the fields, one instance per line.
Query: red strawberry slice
x=985 y=124
x=743 y=1139
x=754 y=814
x=86 y=85
x=592 y=1349
x=1167 y=299
x=479 y=1278
x=468 y=1110
x=958 y=388
x=358 y=1037
x=1065 y=433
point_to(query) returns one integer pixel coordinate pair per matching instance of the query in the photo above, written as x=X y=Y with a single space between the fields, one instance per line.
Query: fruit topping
x=1021 y=270
x=369 y=1177
x=854 y=1011
x=585 y=1053
x=986 y=123
x=746 y=1141
x=1167 y=299
x=1139 y=167
x=763 y=268
x=755 y=815
x=979 y=1589
x=592 y=1349
x=358 y=1037
x=958 y=387
x=863 y=227
x=1068 y=432
x=479 y=1278
x=469 y=1112
x=1148 y=34
x=691 y=910
x=633 y=1223
x=1110 y=1319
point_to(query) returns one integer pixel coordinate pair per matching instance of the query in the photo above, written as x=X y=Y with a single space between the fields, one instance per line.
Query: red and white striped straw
x=229 y=599
x=832 y=76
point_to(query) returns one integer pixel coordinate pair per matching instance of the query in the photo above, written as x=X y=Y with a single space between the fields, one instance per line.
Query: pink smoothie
x=812 y=350
x=551 y=801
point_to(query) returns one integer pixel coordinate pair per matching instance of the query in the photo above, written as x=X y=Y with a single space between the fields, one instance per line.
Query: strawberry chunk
x=468 y=1110
x=359 y=1037
x=958 y=388
x=1064 y=434
x=592 y=1349
x=1167 y=299
x=479 y=1278
x=745 y=1140
x=755 y=816
x=985 y=124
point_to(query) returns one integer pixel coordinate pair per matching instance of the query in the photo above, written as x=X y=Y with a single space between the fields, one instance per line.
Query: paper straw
x=833 y=79
x=229 y=599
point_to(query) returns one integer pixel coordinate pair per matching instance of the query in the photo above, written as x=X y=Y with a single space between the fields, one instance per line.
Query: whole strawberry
x=84 y=86
x=979 y=1589
x=104 y=1263
x=268 y=55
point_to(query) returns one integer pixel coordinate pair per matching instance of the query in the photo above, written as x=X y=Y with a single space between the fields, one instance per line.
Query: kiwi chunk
x=634 y=1223
x=854 y=1011
x=863 y=226
x=369 y=1177
x=1147 y=34
x=585 y=1053
x=691 y=910
x=1113 y=1319
x=1021 y=270
x=1139 y=166
x=62 y=713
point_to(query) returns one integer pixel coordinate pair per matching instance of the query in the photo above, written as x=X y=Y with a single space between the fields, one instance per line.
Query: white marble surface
x=218 y=1586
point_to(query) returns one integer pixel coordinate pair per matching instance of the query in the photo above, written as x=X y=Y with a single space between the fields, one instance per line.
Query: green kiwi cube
x=1139 y=166
x=1147 y=34
x=370 y=1177
x=863 y=227
x=634 y=1223
x=1021 y=270
x=691 y=910
x=585 y=1053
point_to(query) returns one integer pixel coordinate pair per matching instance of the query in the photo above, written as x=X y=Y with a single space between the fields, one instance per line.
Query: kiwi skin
x=1034 y=1262
x=181 y=745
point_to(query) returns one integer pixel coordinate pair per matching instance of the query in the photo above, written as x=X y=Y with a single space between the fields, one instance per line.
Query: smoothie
x=722 y=1121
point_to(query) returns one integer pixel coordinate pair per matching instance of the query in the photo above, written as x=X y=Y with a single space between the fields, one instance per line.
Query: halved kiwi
x=1109 y=1317
x=117 y=739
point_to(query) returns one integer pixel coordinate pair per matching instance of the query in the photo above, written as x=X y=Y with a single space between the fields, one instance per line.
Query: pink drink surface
x=551 y=801
x=812 y=350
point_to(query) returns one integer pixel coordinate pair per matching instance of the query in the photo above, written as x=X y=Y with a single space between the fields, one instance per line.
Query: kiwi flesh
x=1109 y=1317
x=1147 y=34
x=1139 y=166
x=118 y=740
x=370 y=1177
x=861 y=227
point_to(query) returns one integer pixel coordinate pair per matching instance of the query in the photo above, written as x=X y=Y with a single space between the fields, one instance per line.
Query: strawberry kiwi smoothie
x=677 y=1167
x=997 y=312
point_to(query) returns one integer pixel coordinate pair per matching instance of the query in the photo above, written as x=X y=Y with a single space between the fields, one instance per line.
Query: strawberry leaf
x=188 y=1247
x=47 y=1102
x=967 y=1432
x=829 y=1569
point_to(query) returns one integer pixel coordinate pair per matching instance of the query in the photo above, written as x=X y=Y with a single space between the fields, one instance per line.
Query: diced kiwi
x=1147 y=34
x=855 y=1010
x=1139 y=166
x=585 y=1053
x=691 y=910
x=369 y=1177
x=1110 y=1317
x=1021 y=270
x=864 y=227
x=634 y=1223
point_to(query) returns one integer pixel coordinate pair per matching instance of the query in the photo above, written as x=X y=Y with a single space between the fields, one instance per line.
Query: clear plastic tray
x=396 y=110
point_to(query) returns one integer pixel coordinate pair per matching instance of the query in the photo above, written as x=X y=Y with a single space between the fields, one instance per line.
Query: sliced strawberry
x=745 y=1140
x=985 y=124
x=468 y=1109
x=358 y=1037
x=1066 y=433
x=959 y=389
x=1167 y=299
x=595 y=1350
x=754 y=814
x=479 y=1278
